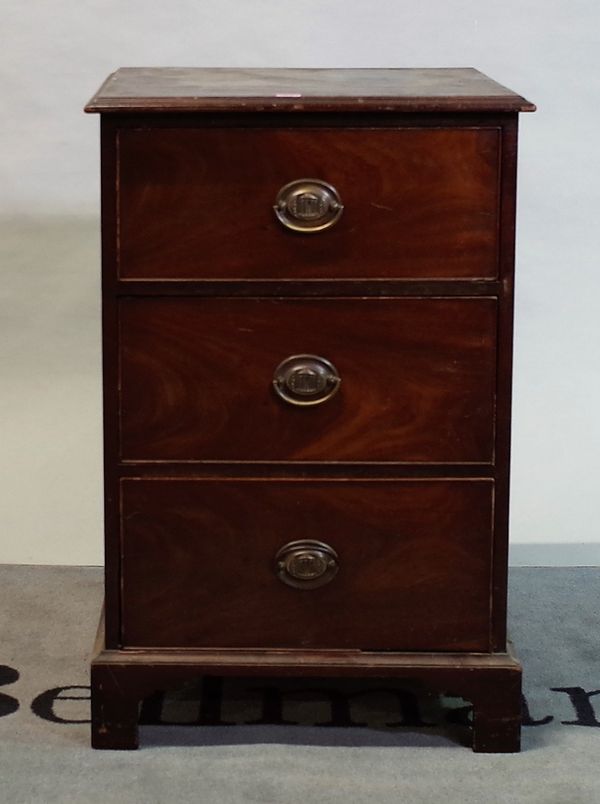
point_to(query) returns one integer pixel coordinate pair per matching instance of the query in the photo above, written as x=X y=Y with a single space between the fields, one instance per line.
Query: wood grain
x=198 y=564
x=195 y=89
x=491 y=682
x=418 y=379
x=418 y=203
x=207 y=473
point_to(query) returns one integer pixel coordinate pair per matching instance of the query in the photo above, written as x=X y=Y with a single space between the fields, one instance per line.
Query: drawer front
x=417 y=379
x=200 y=566
x=418 y=203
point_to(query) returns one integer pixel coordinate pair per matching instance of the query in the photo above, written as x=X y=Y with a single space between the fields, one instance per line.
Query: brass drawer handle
x=308 y=205
x=306 y=380
x=306 y=564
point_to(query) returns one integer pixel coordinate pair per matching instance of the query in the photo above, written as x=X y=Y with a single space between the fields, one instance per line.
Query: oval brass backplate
x=308 y=205
x=306 y=380
x=306 y=564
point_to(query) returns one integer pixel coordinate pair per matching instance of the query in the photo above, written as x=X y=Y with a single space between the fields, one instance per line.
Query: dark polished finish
x=193 y=89
x=490 y=681
x=363 y=533
x=414 y=569
x=418 y=379
x=418 y=202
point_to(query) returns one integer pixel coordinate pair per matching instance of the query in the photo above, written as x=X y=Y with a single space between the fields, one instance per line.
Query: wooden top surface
x=195 y=89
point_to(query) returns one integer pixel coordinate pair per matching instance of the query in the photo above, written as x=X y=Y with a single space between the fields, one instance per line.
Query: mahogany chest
x=307 y=318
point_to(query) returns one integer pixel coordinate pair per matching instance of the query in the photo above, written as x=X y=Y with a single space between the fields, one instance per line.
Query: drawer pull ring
x=306 y=380
x=308 y=205
x=306 y=564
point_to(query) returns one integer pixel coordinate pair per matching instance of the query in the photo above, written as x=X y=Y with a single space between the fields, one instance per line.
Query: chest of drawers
x=307 y=317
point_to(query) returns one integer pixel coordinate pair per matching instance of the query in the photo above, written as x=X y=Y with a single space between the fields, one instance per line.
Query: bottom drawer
x=409 y=567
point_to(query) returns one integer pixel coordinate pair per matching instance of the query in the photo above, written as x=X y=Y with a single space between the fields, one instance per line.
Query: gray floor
x=47 y=621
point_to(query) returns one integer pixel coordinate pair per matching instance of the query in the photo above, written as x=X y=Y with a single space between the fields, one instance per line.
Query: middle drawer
x=416 y=379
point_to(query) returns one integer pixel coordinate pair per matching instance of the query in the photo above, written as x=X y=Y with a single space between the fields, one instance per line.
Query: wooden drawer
x=198 y=202
x=199 y=563
x=417 y=379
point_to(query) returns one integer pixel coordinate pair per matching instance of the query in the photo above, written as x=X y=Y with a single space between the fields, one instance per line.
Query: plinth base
x=121 y=679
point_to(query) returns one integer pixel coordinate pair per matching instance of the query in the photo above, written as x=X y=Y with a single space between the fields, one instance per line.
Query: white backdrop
x=54 y=55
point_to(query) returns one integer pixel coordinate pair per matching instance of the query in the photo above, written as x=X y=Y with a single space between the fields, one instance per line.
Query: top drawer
x=198 y=203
